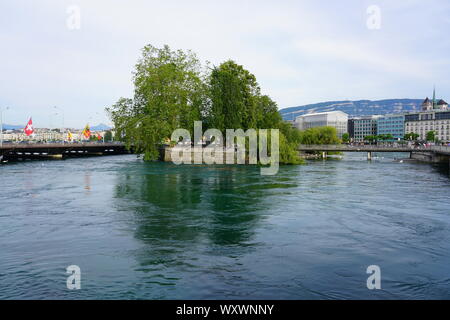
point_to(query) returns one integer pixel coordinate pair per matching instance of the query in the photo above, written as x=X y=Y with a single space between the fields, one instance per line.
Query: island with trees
x=173 y=89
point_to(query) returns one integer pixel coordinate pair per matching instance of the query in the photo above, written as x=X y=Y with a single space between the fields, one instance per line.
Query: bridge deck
x=12 y=151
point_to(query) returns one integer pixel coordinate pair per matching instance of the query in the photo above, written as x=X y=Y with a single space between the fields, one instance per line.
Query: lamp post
x=1 y=126
x=62 y=113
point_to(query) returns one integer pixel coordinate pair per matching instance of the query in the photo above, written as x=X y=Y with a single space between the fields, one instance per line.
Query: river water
x=160 y=231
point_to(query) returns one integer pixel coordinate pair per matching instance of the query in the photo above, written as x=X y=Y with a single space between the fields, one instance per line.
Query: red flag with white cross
x=29 y=128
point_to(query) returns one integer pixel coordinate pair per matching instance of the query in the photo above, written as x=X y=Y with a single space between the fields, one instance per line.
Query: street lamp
x=1 y=126
x=62 y=113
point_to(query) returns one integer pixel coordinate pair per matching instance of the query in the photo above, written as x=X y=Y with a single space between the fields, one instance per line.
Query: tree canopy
x=168 y=94
x=411 y=136
x=346 y=137
x=431 y=136
x=172 y=90
x=319 y=135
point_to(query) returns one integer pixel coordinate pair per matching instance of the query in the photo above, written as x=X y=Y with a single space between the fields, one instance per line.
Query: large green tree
x=168 y=94
x=235 y=101
x=346 y=137
x=267 y=113
x=108 y=136
x=233 y=96
x=319 y=135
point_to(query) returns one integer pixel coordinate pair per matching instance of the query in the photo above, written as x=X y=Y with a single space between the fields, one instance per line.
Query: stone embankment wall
x=429 y=157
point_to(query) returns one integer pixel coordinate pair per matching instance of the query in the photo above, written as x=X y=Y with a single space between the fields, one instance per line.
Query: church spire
x=434 y=97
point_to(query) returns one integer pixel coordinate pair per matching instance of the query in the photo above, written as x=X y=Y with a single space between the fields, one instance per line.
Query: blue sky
x=300 y=51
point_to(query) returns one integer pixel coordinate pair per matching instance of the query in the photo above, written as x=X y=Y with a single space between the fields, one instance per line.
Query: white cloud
x=300 y=51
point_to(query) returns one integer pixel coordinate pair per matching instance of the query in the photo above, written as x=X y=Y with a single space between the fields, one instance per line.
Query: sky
x=62 y=62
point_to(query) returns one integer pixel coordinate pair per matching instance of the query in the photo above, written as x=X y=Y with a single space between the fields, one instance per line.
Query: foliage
x=385 y=137
x=269 y=117
x=288 y=151
x=411 y=136
x=431 y=136
x=108 y=136
x=345 y=137
x=319 y=135
x=371 y=138
x=380 y=137
x=290 y=138
x=172 y=91
x=168 y=95
x=233 y=95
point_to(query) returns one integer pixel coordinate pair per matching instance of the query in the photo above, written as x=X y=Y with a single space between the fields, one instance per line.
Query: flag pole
x=1 y=128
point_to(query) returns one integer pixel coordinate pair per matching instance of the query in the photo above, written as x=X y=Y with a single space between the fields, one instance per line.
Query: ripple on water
x=160 y=231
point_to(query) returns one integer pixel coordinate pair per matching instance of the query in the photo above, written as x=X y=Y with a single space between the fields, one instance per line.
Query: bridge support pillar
x=369 y=156
x=324 y=155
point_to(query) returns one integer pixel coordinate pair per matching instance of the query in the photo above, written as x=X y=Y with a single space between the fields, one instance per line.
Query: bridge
x=12 y=151
x=430 y=153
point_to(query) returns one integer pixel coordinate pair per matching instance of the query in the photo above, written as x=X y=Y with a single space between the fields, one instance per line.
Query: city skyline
x=296 y=59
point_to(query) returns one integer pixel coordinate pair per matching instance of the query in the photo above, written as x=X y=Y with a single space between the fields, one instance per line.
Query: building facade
x=423 y=122
x=335 y=119
x=351 y=128
x=364 y=126
x=393 y=124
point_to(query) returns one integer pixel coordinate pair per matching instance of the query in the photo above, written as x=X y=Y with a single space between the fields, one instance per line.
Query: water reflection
x=87 y=182
x=443 y=169
x=185 y=211
x=187 y=204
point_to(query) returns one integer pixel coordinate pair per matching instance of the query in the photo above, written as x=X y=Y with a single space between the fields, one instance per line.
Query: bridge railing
x=60 y=145
x=343 y=147
x=441 y=149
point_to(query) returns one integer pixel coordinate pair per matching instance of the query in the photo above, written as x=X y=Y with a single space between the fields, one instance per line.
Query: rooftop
x=324 y=113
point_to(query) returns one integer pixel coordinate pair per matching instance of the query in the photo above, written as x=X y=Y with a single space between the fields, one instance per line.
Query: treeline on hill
x=172 y=90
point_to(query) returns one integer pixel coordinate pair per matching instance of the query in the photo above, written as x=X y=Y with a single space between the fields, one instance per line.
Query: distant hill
x=100 y=127
x=12 y=127
x=355 y=108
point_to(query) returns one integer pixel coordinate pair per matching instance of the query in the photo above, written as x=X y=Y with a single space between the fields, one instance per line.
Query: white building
x=335 y=119
x=423 y=122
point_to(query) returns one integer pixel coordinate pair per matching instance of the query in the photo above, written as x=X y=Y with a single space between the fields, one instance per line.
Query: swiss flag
x=29 y=128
